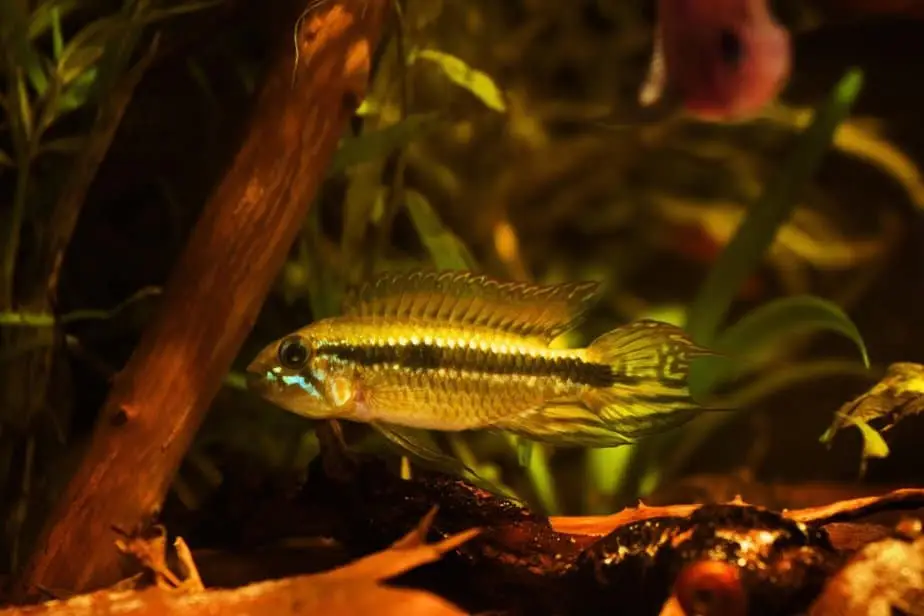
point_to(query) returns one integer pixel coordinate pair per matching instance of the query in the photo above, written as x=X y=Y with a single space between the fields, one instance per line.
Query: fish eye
x=293 y=354
x=730 y=47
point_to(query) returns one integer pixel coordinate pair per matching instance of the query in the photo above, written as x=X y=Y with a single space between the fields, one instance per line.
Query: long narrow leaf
x=772 y=209
x=767 y=326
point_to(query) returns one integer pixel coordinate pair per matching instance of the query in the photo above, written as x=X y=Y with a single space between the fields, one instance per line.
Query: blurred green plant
x=68 y=69
x=756 y=339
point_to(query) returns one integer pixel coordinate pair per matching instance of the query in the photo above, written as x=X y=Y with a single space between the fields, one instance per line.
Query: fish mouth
x=255 y=380
x=258 y=378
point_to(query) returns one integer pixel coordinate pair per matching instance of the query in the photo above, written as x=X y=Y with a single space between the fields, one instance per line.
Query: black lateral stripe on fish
x=422 y=356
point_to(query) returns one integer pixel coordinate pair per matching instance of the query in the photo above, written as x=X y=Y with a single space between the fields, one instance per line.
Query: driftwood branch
x=159 y=399
x=842 y=510
x=352 y=589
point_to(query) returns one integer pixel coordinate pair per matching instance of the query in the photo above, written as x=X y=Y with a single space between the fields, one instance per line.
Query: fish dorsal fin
x=467 y=298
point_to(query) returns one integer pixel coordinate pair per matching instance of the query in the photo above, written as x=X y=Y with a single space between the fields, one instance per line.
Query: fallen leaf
x=900 y=394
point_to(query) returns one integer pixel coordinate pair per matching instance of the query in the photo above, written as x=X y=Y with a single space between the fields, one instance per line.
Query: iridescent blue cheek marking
x=300 y=382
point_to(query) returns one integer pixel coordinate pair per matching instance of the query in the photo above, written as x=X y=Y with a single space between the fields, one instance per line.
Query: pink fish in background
x=723 y=59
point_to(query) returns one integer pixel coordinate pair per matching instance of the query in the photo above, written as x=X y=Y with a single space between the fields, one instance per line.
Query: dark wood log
x=212 y=298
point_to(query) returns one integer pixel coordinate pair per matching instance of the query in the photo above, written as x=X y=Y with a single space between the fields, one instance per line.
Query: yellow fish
x=452 y=351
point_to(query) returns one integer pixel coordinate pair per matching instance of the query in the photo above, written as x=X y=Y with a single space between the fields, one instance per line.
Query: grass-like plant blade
x=377 y=144
x=767 y=326
x=772 y=209
x=445 y=248
x=477 y=82
x=743 y=253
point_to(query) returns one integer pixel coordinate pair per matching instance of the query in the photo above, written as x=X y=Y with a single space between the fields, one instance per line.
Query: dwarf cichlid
x=455 y=351
x=725 y=59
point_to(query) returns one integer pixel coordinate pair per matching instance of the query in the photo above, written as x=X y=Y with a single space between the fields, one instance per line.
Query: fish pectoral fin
x=421 y=445
x=526 y=309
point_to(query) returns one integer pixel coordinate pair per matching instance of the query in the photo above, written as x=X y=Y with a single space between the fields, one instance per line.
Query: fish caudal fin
x=650 y=361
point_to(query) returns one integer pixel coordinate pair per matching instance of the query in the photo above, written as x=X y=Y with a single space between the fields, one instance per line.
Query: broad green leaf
x=769 y=212
x=375 y=145
x=766 y=327
x=446 y=250
x=460 y=73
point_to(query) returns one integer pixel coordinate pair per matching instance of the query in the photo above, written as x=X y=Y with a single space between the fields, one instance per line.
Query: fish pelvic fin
x=650 y=361
x=420 y=444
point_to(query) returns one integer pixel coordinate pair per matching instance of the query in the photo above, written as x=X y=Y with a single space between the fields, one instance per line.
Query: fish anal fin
x=564 y=424
x=467 y=298
x=638 y=413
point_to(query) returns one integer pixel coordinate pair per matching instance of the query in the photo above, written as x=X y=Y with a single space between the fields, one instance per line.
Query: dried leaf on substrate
x=355 y=588
x=899 y=395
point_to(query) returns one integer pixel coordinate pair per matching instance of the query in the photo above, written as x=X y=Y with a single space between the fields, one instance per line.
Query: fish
x=725 y=60
x=456 y=351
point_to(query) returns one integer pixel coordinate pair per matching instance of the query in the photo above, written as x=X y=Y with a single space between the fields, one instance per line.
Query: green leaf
x=460 y=73
x=86 y=47
x=446 y=250
x=766 y=327
x=376 y=145
x=757 y=230
x=542 y=480
x=24 y=109
x=57 y=39
x=77 y=94
x=48 y=15
x=874 y=446
x=14 y=24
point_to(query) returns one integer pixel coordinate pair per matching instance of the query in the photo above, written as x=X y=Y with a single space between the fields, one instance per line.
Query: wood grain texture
x=298 y=596
x=212 y=298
